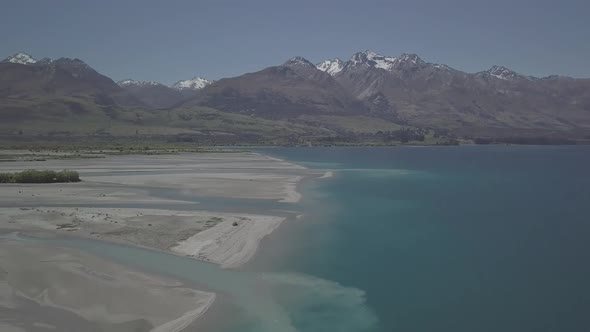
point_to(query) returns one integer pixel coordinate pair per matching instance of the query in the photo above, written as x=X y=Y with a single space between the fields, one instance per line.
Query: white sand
x=229 y=243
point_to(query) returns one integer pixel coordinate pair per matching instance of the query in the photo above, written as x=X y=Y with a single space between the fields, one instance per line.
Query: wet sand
x=46 y=288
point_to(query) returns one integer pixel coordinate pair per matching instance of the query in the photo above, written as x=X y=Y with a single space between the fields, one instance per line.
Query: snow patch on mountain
x=441 y=66
x=503 y=73
x=26 y=59
x=196 y=83
x=21 y=58
x=331 y=66
x=380 y=61
x=298 y=61
x=410 y=58
x=130 y=82
x=388 y=63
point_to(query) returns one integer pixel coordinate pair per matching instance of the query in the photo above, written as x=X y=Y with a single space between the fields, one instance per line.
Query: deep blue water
x=453 y=239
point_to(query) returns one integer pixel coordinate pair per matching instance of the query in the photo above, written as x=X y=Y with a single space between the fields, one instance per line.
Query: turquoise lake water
x=457 y=239
x=451 y=239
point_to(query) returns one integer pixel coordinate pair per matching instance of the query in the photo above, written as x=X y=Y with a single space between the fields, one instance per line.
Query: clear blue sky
x=171 y=40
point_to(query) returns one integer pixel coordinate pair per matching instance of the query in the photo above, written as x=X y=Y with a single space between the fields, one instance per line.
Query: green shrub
x=6 y=178
x=34 y=176
x=67 y=176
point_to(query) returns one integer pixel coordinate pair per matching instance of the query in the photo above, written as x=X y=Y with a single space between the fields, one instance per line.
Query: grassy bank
x=34 y=176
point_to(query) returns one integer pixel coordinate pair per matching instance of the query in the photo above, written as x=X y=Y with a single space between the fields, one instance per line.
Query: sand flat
x=120 y=199
x=232 y=175
x=227 y=239
x=229 y=243
x=63 y=288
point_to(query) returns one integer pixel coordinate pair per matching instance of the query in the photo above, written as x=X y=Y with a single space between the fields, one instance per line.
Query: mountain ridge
x=402 y=90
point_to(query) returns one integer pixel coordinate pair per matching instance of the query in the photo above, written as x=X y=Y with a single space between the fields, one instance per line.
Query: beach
x=156 y=202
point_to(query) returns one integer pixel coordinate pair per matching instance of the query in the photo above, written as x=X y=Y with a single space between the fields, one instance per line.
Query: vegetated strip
x=34 y=176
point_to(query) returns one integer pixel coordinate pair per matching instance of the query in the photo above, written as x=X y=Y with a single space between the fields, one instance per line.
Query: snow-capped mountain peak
x=196 y=83
x=26 y=59
x=359 y=59
x=503 y=73
x=130 y=82
x=21 y=58
x=298 y=61
x=411 y=58
x=331 y=66
x=372 y=59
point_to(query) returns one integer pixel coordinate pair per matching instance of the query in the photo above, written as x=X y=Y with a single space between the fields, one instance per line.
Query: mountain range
x=367 y=94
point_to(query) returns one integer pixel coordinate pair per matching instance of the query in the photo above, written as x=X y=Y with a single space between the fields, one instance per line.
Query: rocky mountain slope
x=287 y=91
x=157 y=95
x=152 y=94
x=22 y=75
x=369 y=93
x=57 y=89
x=497 y=101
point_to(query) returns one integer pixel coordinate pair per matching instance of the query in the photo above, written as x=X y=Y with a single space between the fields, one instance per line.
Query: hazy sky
x=171 y=40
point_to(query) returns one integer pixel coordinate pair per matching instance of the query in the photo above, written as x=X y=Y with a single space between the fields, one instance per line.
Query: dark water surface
x=454 y=239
